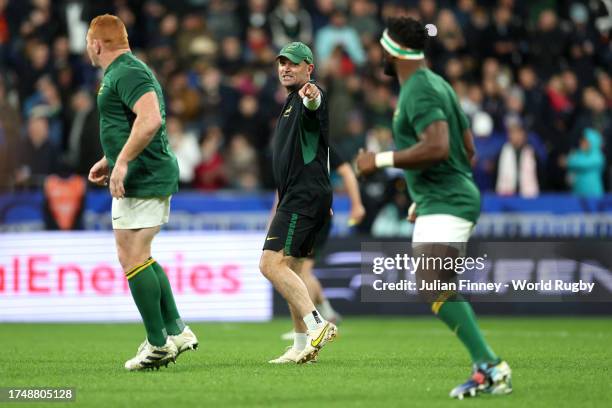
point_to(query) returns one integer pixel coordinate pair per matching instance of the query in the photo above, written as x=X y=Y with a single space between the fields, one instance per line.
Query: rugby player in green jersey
x=434 y=146
x=142 y=174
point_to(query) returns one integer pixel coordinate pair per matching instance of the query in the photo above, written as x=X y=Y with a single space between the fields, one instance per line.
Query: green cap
x=296 y=52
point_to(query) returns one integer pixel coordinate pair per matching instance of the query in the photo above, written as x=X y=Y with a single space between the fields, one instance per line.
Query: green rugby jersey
x=154 y=172
x=446 y=187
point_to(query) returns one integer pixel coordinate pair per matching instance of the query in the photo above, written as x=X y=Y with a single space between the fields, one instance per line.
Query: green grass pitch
x=374 y=363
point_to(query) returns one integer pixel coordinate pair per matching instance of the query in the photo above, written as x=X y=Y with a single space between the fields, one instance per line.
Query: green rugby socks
x=459 y=317
x=172 y=320
x=146 y=292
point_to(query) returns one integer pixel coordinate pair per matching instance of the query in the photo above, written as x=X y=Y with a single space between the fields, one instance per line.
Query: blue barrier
x=550 y=215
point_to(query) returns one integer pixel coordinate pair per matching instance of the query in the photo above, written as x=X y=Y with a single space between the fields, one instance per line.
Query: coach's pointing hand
x=116 y=179
x=309 y=90
x=366 y=163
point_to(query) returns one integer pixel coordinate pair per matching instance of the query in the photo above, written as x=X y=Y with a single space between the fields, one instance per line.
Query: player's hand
x=98 y=174
x=356 y=215
x=309 y=90
x=412 y=213
x=365 y=163
x=116 y=179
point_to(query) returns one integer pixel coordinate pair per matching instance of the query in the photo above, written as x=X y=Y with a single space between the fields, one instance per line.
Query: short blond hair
x=110 y=30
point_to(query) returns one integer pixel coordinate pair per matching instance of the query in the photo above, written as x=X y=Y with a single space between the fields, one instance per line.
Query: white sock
x=313 y=320
x=299 y=341
x=327 y=311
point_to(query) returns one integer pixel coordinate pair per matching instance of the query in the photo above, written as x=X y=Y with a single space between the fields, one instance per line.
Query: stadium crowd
x=534 y=78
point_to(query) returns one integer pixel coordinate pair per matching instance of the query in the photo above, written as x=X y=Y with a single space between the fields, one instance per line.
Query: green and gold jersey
x=154 y=173
x=446 y=187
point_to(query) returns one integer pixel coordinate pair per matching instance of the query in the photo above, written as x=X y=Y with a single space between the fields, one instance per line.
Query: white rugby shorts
x=136 y=213
x=440 y=228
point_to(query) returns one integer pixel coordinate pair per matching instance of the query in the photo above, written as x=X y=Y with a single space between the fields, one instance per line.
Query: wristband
x=312 y=104
x=384 y=159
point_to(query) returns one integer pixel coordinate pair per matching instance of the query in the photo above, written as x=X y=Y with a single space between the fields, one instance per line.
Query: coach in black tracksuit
x=300 y=163
x=301 y=173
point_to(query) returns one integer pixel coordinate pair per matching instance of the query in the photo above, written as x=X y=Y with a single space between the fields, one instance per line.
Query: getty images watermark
x=487 y=271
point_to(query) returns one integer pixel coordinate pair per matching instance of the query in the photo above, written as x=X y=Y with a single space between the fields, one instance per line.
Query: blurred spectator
x=9 y=139
x=241 y=164
x=164 y=35
x=289 y=22
x=76 y=27
x=363 y=18
x=183 y=100
x=217 y=98
x=476 y=34
x=585 y=166
x=560 y=105
x=256 y=15
x=504 y=37
x=231 y=59
x=42 y=22
x=210 y=173
x=84 y=147
x=321 y=13
x=463 y=11
x=35 y=65
x=222 y=19
x=514 y=103
x=517 y=167
x=355 y=137
x=337 y=34
x=547 y=62
x=378 y=111
x=471 y=100
x=249 y=122
x=38 y=157
x=4 y=29
x=259 y=51
x=582 y=40
x=391 y=220
x=428 y=10
x=547 y=44
x=604 y=83
x=186 y=149
x=450 y=35
x=534 y=97
x=194 y=39
x=47 y=99
x=594 y=114
x=493 y=86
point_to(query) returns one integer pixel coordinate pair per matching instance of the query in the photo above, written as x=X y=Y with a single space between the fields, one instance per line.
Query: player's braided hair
x=407 y=32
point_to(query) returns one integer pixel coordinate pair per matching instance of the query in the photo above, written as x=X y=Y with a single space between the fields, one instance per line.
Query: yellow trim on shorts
x=139 y=268
x=437 y=305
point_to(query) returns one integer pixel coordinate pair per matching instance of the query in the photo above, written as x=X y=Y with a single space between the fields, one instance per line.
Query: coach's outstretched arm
x=432 y=148
x=147 y=123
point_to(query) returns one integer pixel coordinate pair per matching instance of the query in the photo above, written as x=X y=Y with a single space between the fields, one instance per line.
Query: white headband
x=399 y=51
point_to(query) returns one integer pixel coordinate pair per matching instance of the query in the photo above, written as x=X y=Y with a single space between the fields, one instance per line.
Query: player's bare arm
x=468 y=142
x=432 y=148
x=147 y=123
x=352 y=188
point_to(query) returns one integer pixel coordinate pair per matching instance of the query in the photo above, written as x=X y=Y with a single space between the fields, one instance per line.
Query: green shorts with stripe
x=294 y=233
